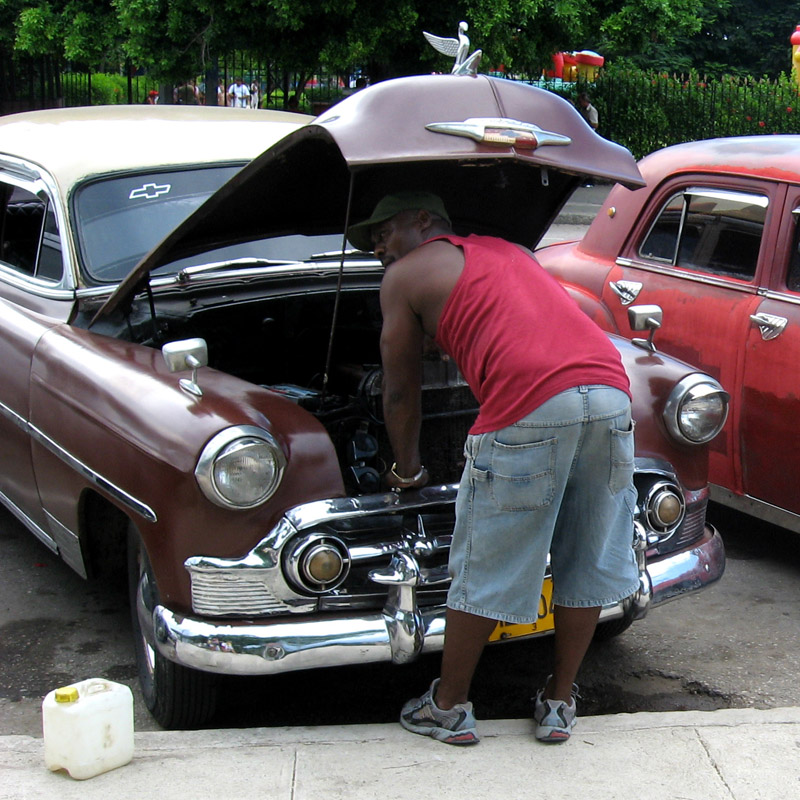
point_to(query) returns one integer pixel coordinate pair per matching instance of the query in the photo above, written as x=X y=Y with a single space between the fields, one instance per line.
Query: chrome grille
x=223 y=594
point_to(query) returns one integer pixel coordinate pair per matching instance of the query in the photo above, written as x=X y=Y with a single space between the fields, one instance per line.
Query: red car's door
x=698 y=254
x=770 y=405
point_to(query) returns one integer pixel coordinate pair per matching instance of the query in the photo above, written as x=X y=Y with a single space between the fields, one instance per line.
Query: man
x=588 y=111
x=549 y=459
x=239 y=94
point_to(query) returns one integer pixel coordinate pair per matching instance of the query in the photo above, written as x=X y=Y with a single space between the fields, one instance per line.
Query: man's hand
x=398 y=483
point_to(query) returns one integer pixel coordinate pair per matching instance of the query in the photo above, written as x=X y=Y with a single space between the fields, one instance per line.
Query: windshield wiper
x=187 y=273
x=332 y=254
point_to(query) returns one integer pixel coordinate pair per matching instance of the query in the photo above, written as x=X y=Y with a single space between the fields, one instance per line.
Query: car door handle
x=770 y=325
x=627 y=291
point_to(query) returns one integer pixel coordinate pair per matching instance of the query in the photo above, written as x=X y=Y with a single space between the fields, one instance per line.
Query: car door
x=770 y=406
x=32 y=300
x=697 y=252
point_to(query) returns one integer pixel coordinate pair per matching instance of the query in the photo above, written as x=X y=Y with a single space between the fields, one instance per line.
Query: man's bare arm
x=401 y=353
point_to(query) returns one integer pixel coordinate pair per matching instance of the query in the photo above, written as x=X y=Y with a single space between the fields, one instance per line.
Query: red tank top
x=517 y=336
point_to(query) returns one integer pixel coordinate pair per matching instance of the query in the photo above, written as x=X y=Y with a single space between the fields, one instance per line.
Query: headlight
x=240 y=467
x=696 y=409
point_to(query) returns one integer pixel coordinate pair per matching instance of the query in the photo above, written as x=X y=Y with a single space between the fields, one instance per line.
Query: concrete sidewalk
x=733 y=754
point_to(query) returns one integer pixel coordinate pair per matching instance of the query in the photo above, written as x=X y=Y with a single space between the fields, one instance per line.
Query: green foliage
x=646 y=110
x=177 y=38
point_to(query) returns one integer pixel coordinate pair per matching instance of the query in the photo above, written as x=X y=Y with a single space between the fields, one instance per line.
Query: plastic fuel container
x=88 y=727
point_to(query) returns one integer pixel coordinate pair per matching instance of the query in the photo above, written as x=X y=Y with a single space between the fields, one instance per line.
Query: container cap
x=66 y=694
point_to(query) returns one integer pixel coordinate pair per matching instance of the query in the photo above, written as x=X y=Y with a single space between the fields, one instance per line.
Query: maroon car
x=212 y=415
x=713 y=240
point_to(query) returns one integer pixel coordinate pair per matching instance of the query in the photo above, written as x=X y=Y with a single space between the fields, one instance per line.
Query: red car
x=713 y=239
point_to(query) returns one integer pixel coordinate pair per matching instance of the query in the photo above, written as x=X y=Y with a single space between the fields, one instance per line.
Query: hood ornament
x=458 y=49
x=501 y=131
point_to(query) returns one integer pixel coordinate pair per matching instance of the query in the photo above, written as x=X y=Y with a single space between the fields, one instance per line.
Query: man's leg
x=574 y=628
x=465 y=637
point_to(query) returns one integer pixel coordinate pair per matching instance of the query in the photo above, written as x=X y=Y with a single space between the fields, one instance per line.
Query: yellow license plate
x=511 y=630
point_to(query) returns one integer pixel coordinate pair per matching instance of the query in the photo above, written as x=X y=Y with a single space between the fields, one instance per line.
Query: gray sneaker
x=554 y=719
x=453 y=726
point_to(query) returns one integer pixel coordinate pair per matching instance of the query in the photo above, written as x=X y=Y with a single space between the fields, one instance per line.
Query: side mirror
x=645 y=318
x=186 y=354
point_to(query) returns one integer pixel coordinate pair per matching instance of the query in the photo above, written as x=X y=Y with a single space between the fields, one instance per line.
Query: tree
x=178 y=38
x=748 y=37
x=85 y=31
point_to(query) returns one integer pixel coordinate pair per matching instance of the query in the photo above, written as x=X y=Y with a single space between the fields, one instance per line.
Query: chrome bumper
x=400 y=632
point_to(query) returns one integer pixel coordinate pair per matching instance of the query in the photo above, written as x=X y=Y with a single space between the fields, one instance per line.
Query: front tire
x=176 y=696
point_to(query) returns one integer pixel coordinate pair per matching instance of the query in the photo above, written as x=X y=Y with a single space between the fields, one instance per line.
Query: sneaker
x=453 y=726
x=554 y=719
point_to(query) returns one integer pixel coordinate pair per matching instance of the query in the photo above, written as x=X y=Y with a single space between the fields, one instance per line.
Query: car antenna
x=339 y=281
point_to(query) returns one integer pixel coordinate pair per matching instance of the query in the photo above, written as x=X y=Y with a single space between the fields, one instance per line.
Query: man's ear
x=424 y=220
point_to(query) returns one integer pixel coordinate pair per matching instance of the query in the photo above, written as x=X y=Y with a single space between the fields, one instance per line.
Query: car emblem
x=458 y=49
x=501 y=131
x=150 y=191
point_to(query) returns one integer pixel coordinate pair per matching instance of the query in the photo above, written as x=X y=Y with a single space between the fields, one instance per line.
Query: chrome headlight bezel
x=661 y=494
x=230 y=444
x=693 y=391
x=299 y=554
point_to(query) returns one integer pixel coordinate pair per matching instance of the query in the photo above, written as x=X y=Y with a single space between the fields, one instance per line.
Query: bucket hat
x=391 y=204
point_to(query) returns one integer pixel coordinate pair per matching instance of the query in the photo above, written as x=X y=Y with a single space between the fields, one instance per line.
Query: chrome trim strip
x=13 y=417
x=782 y=296
x=285 y=646
x=311 y=514
x=756 y=508
x=87 y=472
x=34 y=286
x=665 y=269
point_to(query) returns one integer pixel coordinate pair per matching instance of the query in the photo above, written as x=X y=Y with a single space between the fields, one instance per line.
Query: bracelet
x=393 y=471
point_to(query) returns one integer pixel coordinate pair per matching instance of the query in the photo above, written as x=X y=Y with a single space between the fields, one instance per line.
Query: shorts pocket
x=522 y=475
x=622 y=459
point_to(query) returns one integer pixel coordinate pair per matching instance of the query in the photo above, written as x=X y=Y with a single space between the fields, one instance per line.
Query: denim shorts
x=559 y=481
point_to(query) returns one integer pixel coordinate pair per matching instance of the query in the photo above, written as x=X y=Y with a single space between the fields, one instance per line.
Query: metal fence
x=647 y=111
x=28 y=84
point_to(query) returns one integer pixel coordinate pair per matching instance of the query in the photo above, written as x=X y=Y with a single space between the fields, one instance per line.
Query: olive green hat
x=359 y=234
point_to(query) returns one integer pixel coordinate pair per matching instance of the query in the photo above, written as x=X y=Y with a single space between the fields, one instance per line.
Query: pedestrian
x=239 y=94
x=587 y=110
x=549 y=459
x=254 y=92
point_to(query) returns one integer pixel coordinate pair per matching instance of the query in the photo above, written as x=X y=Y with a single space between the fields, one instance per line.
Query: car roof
x=769 y=156
x=74 y=143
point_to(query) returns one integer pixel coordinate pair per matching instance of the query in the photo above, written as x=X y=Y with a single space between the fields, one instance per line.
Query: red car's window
x=709 y=230
x=793 y=276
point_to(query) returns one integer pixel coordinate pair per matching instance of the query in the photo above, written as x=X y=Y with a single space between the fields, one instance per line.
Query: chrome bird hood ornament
x=457 y=48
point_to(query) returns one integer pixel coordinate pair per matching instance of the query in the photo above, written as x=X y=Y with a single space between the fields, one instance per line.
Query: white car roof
x=74 y=143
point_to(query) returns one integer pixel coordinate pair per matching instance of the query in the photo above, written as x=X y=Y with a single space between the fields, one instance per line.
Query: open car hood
x=452 y=135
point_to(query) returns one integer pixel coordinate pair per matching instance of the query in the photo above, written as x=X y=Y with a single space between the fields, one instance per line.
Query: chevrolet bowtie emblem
x=149 y=191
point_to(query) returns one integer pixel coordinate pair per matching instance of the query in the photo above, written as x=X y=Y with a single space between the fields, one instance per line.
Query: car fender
x=107 y=415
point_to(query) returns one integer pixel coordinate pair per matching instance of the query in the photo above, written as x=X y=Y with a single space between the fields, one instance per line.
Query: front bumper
x=400 y=632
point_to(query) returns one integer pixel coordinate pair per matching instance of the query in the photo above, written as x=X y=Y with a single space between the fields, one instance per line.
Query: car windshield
x=120 y=219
